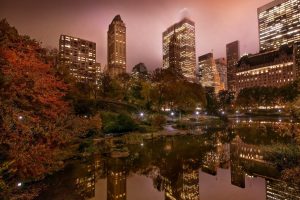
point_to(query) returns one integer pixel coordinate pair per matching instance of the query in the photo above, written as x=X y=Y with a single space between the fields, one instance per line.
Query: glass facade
x=179 y=47
x=208 y=73
x=278 y=23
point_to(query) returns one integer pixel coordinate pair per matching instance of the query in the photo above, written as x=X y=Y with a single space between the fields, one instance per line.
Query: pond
x=244 y=160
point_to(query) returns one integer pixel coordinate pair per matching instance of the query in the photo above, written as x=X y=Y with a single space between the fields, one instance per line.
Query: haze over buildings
x=216 y=24
x=278 y=63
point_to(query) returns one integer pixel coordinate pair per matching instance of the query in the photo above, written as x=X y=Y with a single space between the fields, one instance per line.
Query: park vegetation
x=45 y=114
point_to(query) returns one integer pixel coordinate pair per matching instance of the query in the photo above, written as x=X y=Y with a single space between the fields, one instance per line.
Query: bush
x=158 y=121
x=118 y=123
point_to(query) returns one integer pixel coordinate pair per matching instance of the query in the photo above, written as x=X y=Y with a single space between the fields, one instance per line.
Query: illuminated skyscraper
x=116 y=47
x=208 y=73
x=222 y=70
x=79 y=57
x=179 y=47
x=278 y=23
x=232 y=56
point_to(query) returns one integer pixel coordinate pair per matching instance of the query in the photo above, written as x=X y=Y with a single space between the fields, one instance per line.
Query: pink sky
x=218 y=22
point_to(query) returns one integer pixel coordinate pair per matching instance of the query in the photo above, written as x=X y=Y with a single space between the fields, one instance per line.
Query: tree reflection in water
x=174 y=163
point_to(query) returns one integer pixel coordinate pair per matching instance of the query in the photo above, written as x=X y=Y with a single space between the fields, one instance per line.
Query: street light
x=197 y=112
x=19 y=184
x=172 y=113
x=20 y=117
x=142 y=114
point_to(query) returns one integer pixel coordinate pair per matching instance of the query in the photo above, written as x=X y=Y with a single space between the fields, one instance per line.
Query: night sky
x=218 y=22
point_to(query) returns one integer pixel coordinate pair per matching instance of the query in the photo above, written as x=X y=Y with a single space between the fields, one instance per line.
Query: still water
x=244 y=160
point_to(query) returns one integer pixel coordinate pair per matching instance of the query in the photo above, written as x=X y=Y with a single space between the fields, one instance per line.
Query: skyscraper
x=116 y=47
x=222 y=70
x=208 y=73
x=278 y=23
x=79 y=57
x=232 y=56
x=179 y=47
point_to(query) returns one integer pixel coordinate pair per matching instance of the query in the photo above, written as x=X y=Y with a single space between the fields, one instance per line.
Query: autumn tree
x=35 y=119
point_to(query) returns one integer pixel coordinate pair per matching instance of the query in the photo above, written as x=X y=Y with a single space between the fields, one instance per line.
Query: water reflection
x=174 y=165
x=116 y=179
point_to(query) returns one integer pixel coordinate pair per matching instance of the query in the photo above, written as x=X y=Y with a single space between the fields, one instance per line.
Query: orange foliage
x=33 y=111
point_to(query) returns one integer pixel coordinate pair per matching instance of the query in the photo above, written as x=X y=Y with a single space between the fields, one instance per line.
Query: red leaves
x=33 y=110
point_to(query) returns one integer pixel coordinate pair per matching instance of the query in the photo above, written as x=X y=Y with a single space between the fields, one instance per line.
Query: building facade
x=278 y=23
x=208 y=73
x=222 y=70
x=79 y=57
x=116 y=47
x=179 y=48
x=140 y=71
x=232 y=57
x=271 y=69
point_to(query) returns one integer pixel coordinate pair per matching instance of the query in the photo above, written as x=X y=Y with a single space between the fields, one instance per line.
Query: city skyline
x=90 y=21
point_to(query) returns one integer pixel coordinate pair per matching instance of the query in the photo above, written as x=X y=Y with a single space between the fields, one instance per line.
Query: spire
x=117 y=18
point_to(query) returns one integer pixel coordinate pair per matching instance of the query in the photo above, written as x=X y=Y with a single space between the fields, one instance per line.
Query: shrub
x=158 y=121
x=118 y=123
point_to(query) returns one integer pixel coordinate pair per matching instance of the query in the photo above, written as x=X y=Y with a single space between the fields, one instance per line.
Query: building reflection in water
x=185 y=186
x=190 y=185
x=176 y=172
x=85 y=183
x=116 y=179
x=276 y=189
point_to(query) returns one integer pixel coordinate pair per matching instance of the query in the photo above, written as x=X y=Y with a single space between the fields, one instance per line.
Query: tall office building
x=232 y=56
x=116 y=47
x=222 y=70
x=179 y=47
x=208 y=73
x=79 y=57
x=278 y=23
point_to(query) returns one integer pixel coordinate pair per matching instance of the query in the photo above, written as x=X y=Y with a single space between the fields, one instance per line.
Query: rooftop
x=265 y=57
